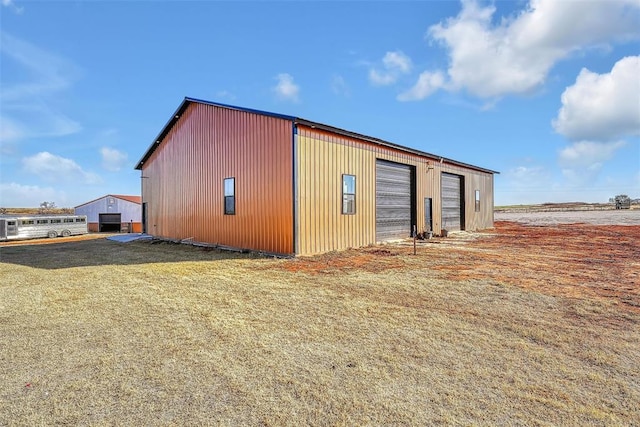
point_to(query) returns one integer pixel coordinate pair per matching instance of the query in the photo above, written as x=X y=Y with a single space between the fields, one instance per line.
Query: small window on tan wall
x=477 y=200
x=348 y=194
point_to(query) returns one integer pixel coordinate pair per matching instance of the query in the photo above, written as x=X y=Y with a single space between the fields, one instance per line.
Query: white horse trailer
x=36 y=226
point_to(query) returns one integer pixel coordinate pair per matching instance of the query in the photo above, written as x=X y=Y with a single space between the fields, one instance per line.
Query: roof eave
x=167 y=127
x=183 y=106
x=296 y=120
x=384 y=143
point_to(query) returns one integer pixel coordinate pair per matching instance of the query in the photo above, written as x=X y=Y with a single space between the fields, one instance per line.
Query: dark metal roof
x=296 y=121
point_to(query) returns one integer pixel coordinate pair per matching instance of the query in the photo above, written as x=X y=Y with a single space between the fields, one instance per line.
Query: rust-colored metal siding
x=182 y=181
x=321 y=159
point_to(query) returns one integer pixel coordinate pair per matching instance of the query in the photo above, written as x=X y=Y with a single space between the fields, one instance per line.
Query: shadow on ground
x=99 y=252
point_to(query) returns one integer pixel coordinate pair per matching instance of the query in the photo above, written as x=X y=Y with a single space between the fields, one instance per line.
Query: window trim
x=231 y=196
x=477 y=201
x=344 y=209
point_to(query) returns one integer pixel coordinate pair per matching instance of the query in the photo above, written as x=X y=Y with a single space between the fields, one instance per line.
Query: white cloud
x=428 y=83
x=602 y=106
x=528 y=174
x=581 y=162
x=286 y=89
x=527 y=178
x=394 y=64
x=397 y=61
x=13 y=195
x=225 y=94
x=339 y=86
x=514 y=56
x=12 y=5
x=112 y=159
x=54 y=168
x=29 y=105
x=10 y=133
x=588 y=154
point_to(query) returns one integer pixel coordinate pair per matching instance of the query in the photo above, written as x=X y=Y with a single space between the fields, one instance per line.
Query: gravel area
x=606 y=217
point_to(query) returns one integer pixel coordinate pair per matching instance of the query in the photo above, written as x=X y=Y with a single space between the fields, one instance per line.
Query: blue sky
x=544 y=91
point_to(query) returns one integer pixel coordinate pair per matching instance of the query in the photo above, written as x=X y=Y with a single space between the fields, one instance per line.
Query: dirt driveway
x=583 y=260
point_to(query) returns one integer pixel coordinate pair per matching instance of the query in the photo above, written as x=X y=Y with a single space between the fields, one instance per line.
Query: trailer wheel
x=66 y=233
x=52 y=234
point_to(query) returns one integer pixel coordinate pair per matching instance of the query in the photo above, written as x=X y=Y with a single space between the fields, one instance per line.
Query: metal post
x=414 y=239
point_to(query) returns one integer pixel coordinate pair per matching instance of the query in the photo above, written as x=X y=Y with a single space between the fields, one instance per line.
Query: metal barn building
x=269 y=182
x=113 y=213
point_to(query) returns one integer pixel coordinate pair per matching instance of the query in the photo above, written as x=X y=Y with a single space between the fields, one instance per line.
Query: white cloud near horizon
x=14 y=195
x=286 y=89
x=516 y=54
x=534 y=183
x=113 y=160
x=53 y=168
x=602 y=107
x=394 y=64
x=27 y=107
x=582 y=162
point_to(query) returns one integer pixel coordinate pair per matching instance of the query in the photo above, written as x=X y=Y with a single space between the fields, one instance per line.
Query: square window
x=230 y=196
x=348 y=194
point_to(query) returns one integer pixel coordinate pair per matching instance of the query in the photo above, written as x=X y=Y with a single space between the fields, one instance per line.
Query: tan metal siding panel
x=473 y=180
x=322 y=158
x=184 y=180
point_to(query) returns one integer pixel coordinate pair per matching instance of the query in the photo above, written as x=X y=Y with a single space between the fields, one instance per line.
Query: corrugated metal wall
x=322 y=158
x=473 y=180
x=131 y=212
x=183 y=180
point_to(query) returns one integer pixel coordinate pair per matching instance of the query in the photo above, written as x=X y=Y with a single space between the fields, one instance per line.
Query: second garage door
x=452 y=197
x=393 y=200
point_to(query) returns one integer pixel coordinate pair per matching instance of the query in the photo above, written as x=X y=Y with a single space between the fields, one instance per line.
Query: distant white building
x=113 y=212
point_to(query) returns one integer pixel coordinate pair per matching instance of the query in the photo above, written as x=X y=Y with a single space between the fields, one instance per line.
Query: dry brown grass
x=101 y=333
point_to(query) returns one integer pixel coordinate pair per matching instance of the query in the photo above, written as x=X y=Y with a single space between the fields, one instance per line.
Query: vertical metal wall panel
x=130 y=212
x=393 y=200
x=183 y=180
x=452 y=199
x=321 y=159
x=182 y=184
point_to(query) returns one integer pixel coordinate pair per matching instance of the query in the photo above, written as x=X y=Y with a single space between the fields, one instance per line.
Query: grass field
x=518 y=326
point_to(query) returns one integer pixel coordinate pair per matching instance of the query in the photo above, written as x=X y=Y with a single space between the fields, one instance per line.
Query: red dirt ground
x=570 y=260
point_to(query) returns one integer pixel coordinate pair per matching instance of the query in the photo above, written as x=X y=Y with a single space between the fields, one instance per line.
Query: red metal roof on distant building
x=132 y=199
